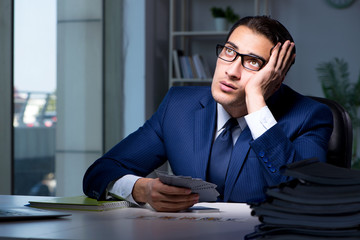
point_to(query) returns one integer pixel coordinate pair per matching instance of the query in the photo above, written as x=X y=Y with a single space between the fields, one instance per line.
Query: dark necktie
x=220 y=156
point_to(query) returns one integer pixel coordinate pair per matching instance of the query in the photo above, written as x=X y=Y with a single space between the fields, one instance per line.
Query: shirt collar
x=223 y=117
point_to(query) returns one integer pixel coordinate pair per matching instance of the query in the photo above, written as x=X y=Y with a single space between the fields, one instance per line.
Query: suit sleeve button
x=261 y=154
x=272 y=169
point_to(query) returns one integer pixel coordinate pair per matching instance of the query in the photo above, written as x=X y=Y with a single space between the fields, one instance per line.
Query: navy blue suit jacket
x=182 y=130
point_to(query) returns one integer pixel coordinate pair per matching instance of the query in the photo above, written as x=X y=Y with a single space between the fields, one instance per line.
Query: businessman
x=237 y=134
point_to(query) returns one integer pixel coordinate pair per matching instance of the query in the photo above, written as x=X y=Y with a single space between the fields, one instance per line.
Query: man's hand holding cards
x=207 y=191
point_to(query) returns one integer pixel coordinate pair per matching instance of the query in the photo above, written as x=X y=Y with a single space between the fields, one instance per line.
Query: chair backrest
x=340 y=143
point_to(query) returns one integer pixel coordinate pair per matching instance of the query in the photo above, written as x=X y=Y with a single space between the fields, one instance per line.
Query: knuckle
x=155 y=196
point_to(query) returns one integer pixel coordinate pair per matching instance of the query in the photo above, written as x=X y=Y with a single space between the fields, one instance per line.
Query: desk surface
x=232 y=222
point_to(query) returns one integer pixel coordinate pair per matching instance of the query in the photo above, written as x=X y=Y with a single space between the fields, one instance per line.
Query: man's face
x=230 y=78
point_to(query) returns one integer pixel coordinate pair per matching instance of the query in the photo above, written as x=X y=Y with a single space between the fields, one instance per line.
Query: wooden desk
x=132 y=223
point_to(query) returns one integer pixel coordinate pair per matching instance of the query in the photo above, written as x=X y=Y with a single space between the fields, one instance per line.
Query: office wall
x=321 y=33
x=113 y=72
x=157 y=53
x=79 y=92
x=6 y=67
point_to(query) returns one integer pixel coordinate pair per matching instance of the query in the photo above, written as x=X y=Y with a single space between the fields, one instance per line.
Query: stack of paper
x=321 y=201
x=79 y=203
x=207 y=191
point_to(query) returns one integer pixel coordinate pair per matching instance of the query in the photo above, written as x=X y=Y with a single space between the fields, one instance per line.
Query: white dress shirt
x=258 y=122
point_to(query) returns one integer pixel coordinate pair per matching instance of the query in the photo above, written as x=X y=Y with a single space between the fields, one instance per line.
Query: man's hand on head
x=265 y=82
x=162 y=197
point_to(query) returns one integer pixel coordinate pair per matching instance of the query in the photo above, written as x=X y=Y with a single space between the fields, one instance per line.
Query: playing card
x=206 y=190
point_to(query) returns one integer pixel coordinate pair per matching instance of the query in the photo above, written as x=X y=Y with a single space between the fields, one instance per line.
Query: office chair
x=340 y=143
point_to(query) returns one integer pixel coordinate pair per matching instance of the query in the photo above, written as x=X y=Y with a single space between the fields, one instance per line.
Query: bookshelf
x=192 y=32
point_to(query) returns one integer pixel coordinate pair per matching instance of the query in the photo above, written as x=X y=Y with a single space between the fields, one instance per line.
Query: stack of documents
x=79 y=203
x=206 y=190
x=322 y=201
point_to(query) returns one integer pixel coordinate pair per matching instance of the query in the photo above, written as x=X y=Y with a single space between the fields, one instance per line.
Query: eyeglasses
x=248 y=61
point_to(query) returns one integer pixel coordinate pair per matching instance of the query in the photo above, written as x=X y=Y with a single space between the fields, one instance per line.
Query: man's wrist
x=254 y=102
x=123 y=187
x=140 y=190
x=260 y=121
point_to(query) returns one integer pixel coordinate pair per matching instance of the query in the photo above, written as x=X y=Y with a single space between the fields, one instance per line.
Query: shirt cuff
x=260 y=121
x=122 y=188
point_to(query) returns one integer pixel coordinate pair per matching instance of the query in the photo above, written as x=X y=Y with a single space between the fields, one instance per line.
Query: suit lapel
x=205 y=119
x=240 y=151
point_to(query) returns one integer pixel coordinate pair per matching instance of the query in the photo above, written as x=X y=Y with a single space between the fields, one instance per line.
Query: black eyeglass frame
x=219 y=46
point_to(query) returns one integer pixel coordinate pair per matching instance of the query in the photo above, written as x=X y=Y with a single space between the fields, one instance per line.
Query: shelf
x=193 y=34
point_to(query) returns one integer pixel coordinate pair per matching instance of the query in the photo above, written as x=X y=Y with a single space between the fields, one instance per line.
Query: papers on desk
x=207 y=191
x=321 y=200
x=79 y=203
x=226 y=212
x=188 y=217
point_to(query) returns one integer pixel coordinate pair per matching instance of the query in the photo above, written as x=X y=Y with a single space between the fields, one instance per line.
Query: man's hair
x=270 y=28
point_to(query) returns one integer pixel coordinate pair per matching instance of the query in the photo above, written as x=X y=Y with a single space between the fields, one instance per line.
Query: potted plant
x=219 y=18
x=223 y=16
x=334 y=78
x=230 y=15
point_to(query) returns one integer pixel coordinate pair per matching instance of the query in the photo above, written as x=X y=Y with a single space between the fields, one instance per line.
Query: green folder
x=79 y=203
